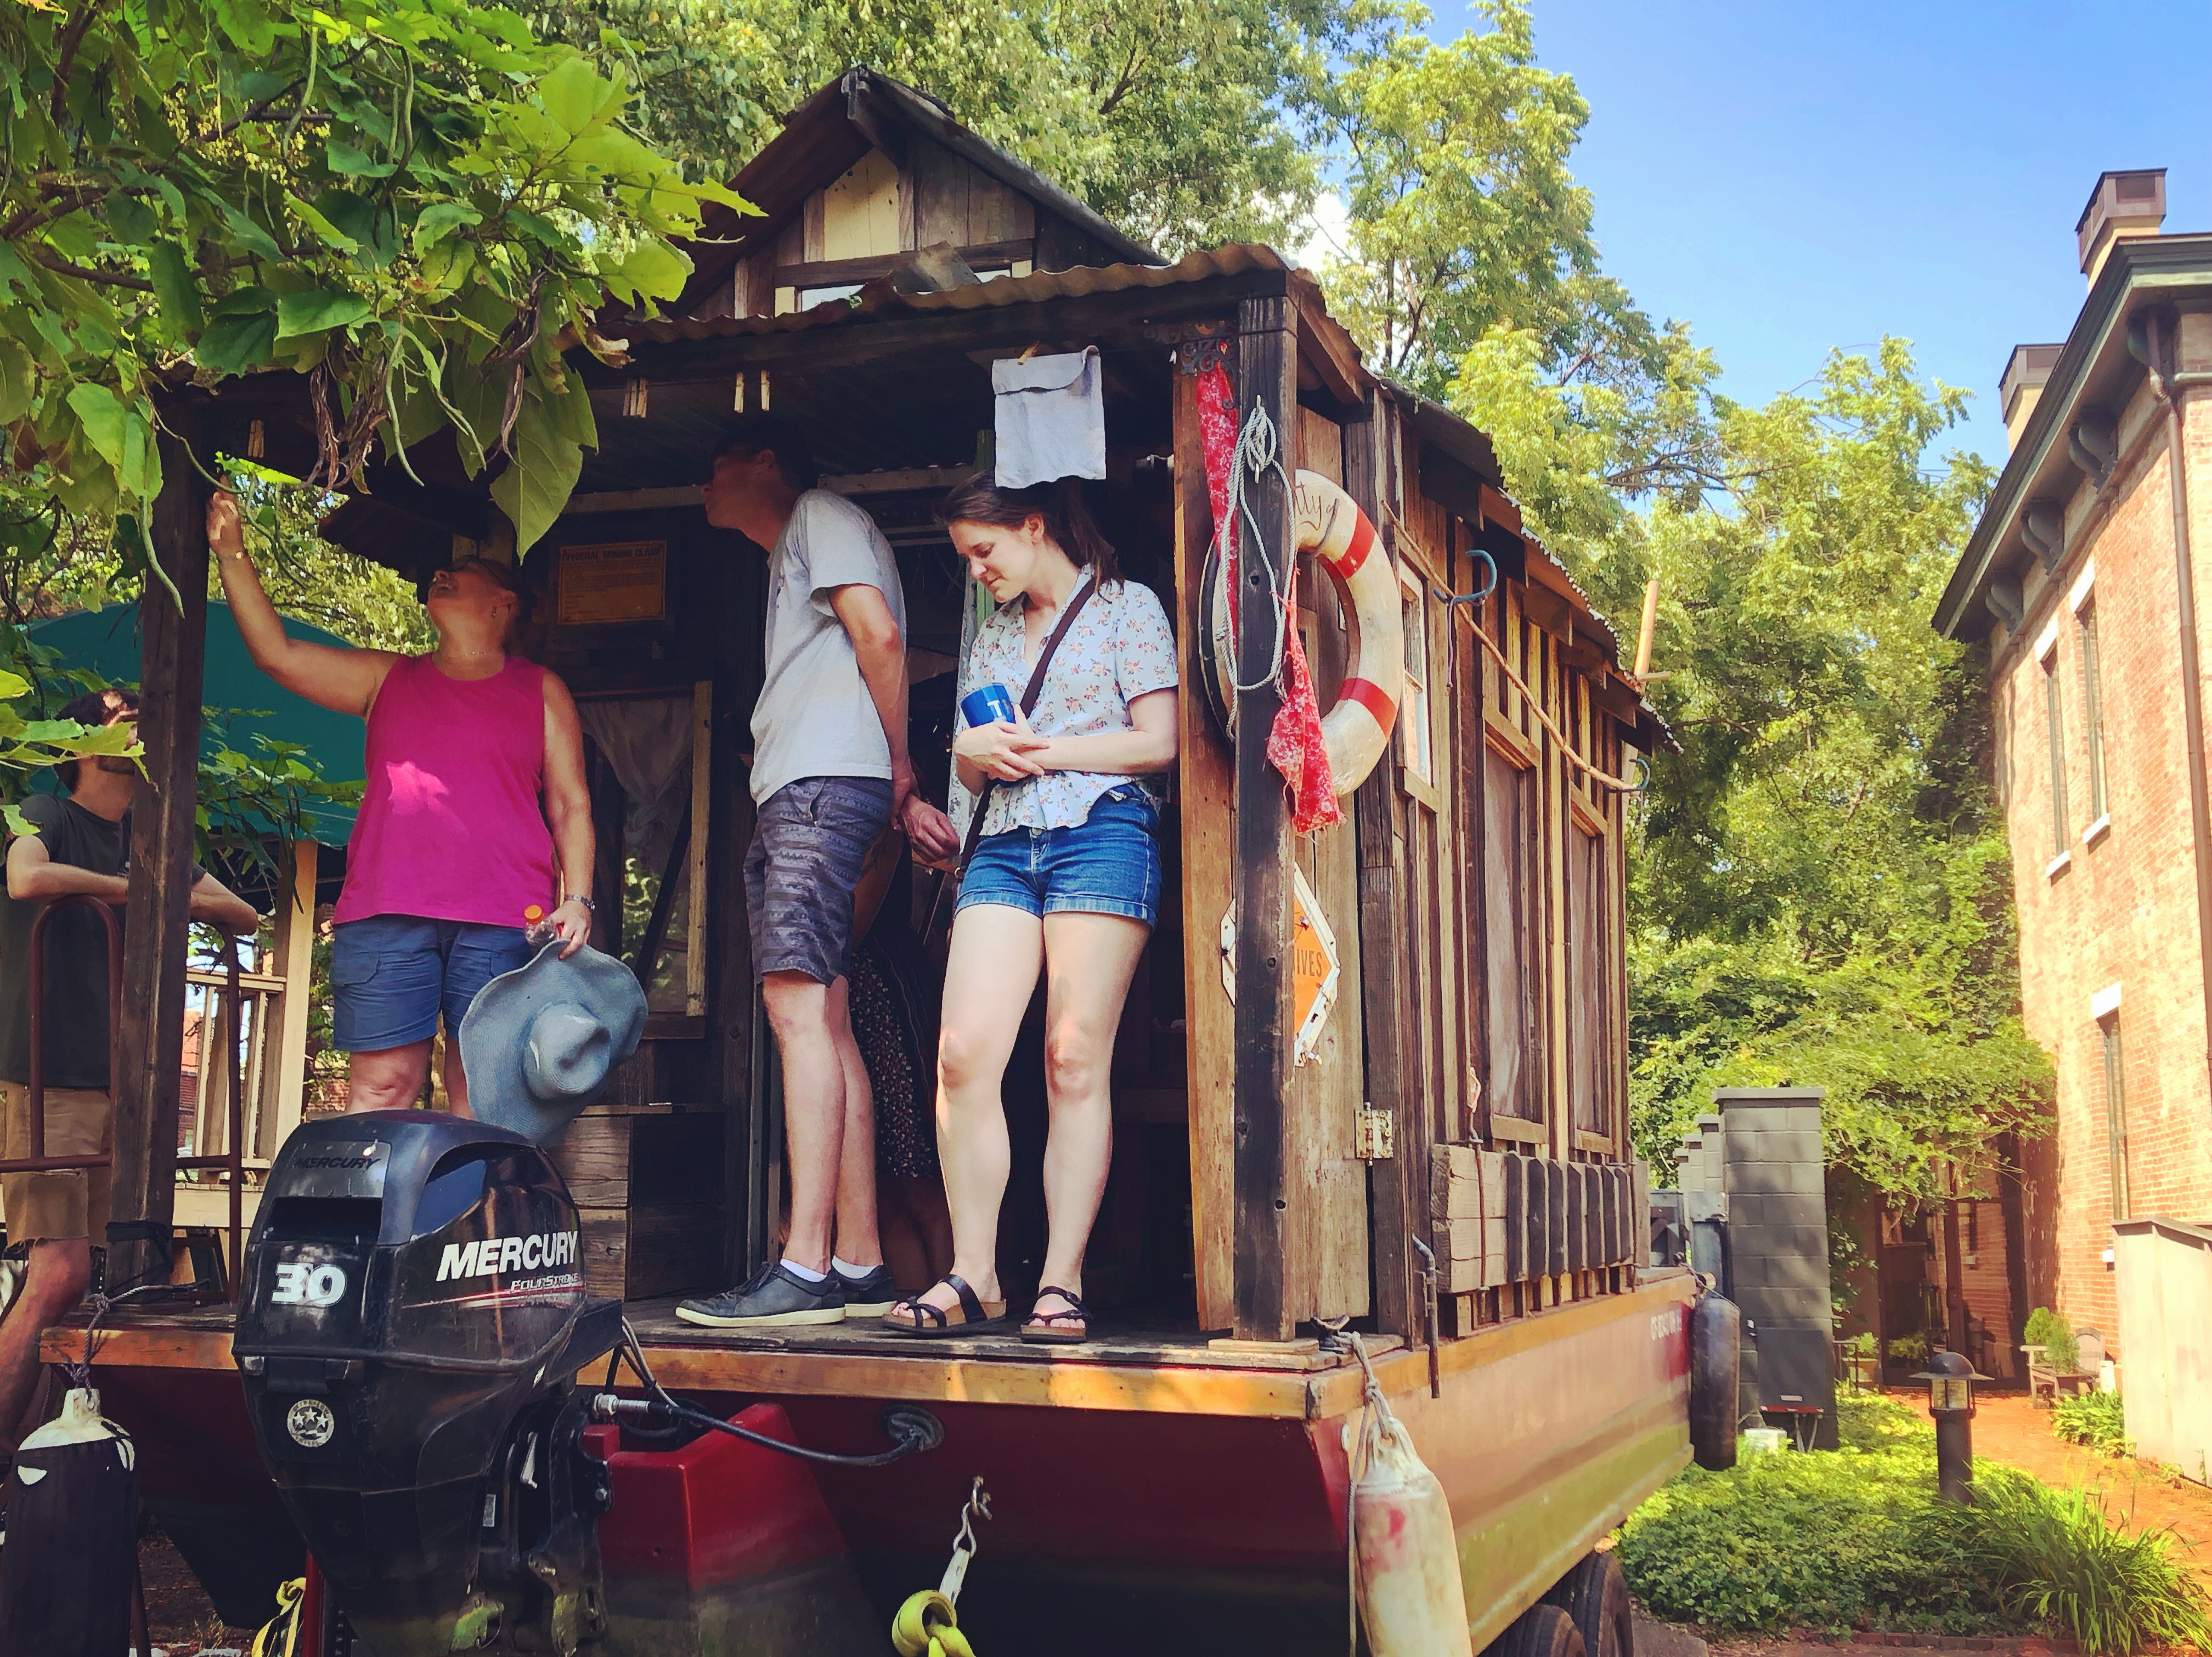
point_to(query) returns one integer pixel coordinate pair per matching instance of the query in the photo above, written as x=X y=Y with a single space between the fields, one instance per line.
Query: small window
x=2116 y=1114
x=1413 y=709
x=2055 y=716
x=1510 y=877
x=2093 y=712
x=1589 y=1020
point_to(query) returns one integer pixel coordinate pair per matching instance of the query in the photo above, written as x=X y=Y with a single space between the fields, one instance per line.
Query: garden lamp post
x=1951 y=1380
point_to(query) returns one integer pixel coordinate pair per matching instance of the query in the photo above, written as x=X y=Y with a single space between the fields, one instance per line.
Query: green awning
x=246 y=700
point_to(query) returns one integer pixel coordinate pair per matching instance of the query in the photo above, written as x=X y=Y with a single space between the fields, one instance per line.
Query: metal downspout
x=2156 y=359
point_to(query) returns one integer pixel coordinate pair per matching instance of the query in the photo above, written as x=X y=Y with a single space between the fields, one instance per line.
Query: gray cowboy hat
x=539 y=1043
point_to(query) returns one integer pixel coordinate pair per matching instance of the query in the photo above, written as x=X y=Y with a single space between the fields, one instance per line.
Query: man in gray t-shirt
x=830 y=772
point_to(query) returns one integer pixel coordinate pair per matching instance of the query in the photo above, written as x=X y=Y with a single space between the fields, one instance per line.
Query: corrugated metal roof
x=879 y=298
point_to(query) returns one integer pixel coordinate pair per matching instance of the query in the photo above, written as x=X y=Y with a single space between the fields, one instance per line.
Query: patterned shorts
x=810 y=840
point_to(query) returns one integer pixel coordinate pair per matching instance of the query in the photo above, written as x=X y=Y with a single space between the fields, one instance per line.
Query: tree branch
x=85 y=273
x=66 y=57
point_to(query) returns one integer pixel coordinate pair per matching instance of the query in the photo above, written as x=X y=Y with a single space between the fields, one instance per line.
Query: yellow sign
x=1314 y=972
x=617 y=581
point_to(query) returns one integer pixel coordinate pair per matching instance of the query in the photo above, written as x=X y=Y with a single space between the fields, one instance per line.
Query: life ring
x=1356 y=730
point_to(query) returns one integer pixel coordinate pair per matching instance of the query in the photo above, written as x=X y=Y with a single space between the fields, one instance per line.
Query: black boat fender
x=1716 y=1346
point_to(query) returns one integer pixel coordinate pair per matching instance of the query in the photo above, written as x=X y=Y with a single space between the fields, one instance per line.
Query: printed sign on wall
x=614 y=582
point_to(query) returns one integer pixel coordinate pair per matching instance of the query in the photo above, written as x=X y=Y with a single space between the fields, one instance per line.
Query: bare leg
x=61 y=1268
x=1089 y=961
x=457 y=1081
x=990 y=973
x=857 y=1241
x=391 y=1078
x=813 y=1109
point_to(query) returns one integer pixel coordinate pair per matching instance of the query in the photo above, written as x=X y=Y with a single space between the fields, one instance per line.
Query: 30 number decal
x=302 y=1283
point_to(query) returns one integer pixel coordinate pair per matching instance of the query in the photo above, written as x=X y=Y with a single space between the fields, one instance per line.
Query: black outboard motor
x=413 y=1321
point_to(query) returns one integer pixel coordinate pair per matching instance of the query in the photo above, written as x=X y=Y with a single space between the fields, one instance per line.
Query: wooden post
x=149 y=1050
x=1267 y=378
x=291 y=957
x=1398 y=1186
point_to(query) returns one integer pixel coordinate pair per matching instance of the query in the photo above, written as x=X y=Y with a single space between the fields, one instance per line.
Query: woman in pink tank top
x=476 y=813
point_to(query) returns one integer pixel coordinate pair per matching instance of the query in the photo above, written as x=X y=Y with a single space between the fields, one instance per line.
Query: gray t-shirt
x=815 y=716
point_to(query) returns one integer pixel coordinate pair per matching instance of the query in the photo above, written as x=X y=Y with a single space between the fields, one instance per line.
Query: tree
x=1821 y=887
x=1175 y=119
x=415 y=204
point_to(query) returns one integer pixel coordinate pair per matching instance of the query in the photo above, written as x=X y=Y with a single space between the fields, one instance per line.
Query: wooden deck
x=1181 y=1371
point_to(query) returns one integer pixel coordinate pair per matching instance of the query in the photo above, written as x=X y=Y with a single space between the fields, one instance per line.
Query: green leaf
x=19 y=386
x=231 y=344
x=352 y=163
x=573 y=95
x=652 y=270
x=131 y=222
x=103 y=417
x=538 y=480
x=251 y=236
x=316 y=310
x=440 y=218
x=314 y=219
x=12 y=685
x=248 y=23
x=175 y=287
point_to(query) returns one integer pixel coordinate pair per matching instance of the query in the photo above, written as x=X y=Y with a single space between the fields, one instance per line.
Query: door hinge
x=1375 y=1139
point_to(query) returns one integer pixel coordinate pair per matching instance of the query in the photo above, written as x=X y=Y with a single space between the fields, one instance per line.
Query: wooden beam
x=294 y=954
x=150 y=1048
x=1327 y=350
x=1395 y=1191
x=1205 y=796
x=1267 y=378
x=1122 y=319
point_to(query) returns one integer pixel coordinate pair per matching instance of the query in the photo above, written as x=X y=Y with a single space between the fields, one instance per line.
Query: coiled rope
x=1259 y=450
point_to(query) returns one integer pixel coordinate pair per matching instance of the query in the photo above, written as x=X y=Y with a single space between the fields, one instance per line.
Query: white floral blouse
x=1118 y=649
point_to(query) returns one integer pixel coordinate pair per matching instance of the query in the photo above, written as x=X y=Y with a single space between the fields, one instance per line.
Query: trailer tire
x=1542 y=1630
x=1595 y=1594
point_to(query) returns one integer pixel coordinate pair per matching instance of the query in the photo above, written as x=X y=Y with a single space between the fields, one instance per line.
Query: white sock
x=838 y=1263
x=806 y=1272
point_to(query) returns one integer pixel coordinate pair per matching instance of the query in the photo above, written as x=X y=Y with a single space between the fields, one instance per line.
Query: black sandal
x=1055 y=1334
x=916 y=1318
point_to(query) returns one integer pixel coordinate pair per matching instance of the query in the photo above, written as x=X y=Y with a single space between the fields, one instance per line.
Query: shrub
x=1855 y=1538
x=2057 y=1557
x=1909 y=1348
x=2095 y=1419
x=2046 y=1329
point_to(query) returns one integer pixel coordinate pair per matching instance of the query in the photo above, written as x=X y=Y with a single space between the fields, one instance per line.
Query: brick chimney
x=2025 y=376
x=2122 y=205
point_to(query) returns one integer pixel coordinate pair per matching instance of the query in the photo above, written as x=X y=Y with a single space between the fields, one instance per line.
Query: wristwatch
x=578 y=897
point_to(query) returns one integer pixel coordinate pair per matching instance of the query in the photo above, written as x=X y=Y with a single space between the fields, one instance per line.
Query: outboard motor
x=413 y=1320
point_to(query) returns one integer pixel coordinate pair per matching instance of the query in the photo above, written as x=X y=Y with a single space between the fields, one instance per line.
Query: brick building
x=2085 y=580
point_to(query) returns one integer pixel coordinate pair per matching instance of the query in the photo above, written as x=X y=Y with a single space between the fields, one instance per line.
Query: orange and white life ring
x=1357 y=729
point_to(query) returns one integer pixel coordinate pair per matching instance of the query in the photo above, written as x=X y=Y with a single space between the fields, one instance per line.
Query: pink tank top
x=450 y=827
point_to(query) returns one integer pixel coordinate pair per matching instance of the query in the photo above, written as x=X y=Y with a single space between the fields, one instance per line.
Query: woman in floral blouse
x=1066 y=880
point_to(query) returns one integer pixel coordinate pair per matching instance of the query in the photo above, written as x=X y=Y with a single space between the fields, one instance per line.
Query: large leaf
x=573 y=95
x=19 y=384
x=316 y=310
x=231 y=345
x=173 y=286
x=540 y=479
x=104 y=419
x=130 y=221
x=440 y=219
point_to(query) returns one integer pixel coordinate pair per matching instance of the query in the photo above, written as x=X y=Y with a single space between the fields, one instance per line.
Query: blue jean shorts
x=391 y=975
x=810 y=840
x=1106 y=864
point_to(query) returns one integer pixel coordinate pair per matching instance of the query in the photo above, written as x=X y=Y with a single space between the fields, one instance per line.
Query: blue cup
x=986 y=704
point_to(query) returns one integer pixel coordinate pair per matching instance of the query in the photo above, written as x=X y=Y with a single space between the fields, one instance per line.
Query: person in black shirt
x=81 y=843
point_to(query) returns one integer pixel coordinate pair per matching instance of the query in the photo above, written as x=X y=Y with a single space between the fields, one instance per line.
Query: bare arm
x=568 y=812
x=34 y=876
x=216 y=904
x=1151 y=746
x=881 y=653
x=343 y=680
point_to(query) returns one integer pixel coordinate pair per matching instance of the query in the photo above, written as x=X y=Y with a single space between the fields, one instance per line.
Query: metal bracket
x=1205 y=351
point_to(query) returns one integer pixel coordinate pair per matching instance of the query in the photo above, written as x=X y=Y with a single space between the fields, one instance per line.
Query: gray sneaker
x=870 y=1295
x=773 y=1298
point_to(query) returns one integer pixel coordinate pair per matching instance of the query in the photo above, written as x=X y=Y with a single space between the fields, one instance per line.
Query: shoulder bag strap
x=1029 y=706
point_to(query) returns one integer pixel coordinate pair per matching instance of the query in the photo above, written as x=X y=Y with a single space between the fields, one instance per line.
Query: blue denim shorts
x=1106 y=864
x=391 y=975
x=810 y=839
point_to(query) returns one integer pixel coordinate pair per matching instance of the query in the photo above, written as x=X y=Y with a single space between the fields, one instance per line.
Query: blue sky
x=1788 y=176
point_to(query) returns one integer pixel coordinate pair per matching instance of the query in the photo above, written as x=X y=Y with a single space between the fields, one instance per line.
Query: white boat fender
x=1410 y=1594
x=72 y=1553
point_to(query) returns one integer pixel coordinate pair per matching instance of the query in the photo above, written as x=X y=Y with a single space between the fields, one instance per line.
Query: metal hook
x=979 y=1507
x=1448 y=599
